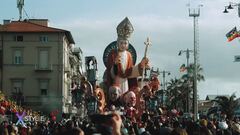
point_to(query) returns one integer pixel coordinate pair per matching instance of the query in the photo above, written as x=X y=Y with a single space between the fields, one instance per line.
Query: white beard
x=124 y=60
x=123 y=81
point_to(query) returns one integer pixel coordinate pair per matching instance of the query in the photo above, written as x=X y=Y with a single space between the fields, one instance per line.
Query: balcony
x=39 y=68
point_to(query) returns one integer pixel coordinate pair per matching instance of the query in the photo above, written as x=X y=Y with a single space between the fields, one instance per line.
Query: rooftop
x=212 y=97
x=27 y=26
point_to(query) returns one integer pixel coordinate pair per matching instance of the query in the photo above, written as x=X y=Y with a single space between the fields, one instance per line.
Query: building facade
x=38 y=64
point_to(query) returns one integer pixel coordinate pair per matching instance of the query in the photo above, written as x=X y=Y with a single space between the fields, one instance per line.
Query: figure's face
x=130 y=99
x=122 y=45
x=114 y=93
x=147 y=91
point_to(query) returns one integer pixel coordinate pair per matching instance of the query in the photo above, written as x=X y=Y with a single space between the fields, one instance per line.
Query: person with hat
x=203 y=127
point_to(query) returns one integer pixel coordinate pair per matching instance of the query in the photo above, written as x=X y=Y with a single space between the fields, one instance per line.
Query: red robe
x=116 y=70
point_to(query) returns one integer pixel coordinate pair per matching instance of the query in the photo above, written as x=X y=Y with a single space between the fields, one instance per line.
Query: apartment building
x=38 y=64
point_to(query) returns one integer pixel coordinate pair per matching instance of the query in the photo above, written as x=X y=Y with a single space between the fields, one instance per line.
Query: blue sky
x=93 y=25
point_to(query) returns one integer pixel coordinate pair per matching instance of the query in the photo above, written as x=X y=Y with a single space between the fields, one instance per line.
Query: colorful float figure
x=119 y=58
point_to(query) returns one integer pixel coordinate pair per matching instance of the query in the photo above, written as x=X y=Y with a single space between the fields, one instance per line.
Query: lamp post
x=195 y=13
x=188 y=91
x=231 y=6
x=164 y=83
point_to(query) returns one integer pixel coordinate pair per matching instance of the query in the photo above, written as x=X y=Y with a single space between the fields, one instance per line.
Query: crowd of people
x=153 y=120
x=165 y=122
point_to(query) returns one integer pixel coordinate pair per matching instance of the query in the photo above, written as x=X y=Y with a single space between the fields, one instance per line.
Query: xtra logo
x=20 y=119
x=26 y=118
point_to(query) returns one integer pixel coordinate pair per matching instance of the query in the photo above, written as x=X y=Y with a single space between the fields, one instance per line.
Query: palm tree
x=172 y=92
x=177 y=90
x=189 y=79
x=190 y=73
x=184 y=88
x=175 y=94
x=227 y=105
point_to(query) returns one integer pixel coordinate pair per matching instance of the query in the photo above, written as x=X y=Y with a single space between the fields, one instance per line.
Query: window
x=17 y=86
x=18 y=38
x=17 y=91
x=17 y=56
x=43 y=39
x=43 y=85
x=43 y=59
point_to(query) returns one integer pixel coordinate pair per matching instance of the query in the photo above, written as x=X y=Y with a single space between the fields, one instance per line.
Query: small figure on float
x=114 y=96
x=130 y=102
x=154 y=83
x=98 y=92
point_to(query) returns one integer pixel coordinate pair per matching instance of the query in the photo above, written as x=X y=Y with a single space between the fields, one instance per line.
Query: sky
x=93 y=23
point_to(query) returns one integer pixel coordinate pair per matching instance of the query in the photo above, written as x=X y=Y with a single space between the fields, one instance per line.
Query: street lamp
x=188 y=91
x=231 y=6
x=164 y=73
x=225 y=10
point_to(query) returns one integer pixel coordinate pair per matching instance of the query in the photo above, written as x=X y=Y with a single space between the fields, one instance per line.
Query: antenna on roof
x=20 y=4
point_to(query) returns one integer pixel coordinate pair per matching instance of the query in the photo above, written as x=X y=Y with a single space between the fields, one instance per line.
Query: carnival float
x=128 y=87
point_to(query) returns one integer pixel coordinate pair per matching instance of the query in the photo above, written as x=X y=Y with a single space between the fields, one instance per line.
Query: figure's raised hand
x=145 y=63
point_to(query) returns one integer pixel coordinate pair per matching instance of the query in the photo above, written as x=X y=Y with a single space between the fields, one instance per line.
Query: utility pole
x=188 y=90
x=195 y=13
x=164 y=83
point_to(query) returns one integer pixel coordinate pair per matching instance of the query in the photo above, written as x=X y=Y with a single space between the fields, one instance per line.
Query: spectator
x=77 y=131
